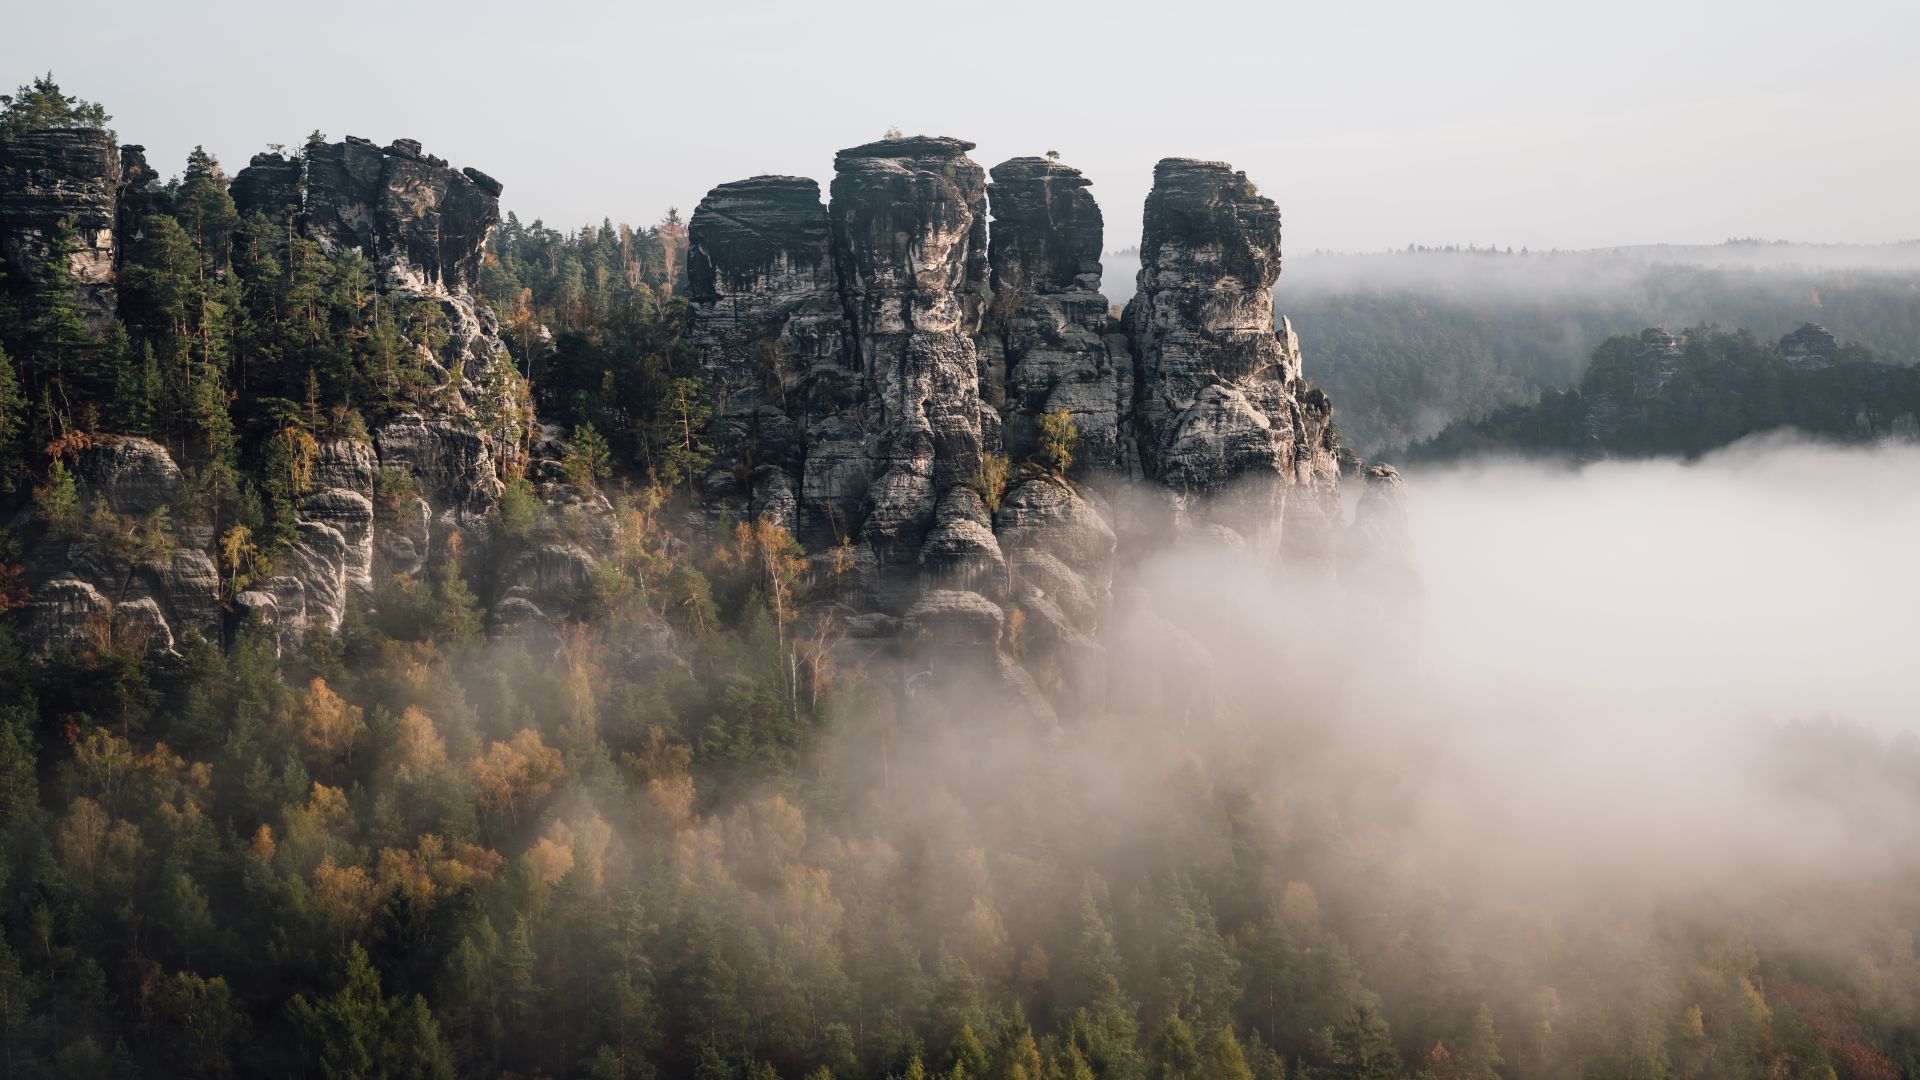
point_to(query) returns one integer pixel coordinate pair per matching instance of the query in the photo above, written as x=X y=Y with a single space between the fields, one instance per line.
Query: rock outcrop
x=1810 y=346
x=1220 y=402
x=1047 y=321
x=375 y=507
x=85 y=594
x=132 y=475
x=421 y=224
x=871 y=360
x=62 y=178
x=910 y=248
x=272 y=184
x=767 y=323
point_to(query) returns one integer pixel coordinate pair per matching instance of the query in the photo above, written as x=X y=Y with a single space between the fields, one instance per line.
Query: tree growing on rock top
x=40 y=105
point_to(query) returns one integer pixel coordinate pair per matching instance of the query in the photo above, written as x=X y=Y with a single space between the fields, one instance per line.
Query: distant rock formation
x=1810 y=346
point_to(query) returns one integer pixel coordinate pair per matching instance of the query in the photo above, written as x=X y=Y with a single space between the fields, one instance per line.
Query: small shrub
x=1059 y=437
x=989 y=481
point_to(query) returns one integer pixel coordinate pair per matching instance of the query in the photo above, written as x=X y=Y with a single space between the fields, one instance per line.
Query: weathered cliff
x=422 y=225
x=62 y=178
x=870 y=364
x=909 y=244
x=766 y=320
x=1047 y=321
x=1222 y=414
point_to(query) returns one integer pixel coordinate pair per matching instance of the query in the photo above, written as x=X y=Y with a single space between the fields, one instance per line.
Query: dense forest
x=694 y=833
x=1652 y=394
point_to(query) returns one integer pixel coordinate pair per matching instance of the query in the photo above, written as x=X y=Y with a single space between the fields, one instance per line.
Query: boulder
x=133 y=475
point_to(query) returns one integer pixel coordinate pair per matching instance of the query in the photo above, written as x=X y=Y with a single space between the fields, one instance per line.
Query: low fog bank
x=1629 y=695
x=1588 y=274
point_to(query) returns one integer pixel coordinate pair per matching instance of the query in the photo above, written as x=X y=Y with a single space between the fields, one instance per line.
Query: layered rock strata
x=422 y=224
x=1046 y=324
x=910 y=251
x=1221 y=407
x=767 y=322
x=63 y=179
x=872 y=360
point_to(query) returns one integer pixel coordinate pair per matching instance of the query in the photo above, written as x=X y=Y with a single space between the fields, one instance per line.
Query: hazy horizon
x=1490 y=124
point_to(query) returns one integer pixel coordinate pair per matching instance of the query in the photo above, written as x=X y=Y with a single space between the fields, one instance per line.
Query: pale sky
x=1372 y=124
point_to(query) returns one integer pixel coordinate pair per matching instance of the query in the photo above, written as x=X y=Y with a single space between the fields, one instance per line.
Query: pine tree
x=40 y=105
x=1174 y=1055
x=1221 y=1057
x=1359 y=1047
x=13 y=426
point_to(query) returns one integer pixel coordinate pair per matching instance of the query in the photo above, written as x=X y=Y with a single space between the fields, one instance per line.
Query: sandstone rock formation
x=82 y=593
x=271 y=184
x=1047 y=321
x=69 y=176
x=909 y=244
x=868 y=360
x=132 y=475
x=767 y=323
x=1810 y=346
x=420 y=222
x=422 y=225
x=1219 y=400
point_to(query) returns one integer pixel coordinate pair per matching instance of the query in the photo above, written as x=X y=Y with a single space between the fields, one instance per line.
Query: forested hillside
x=1406 y=343
x=687 y=818
x=1656 y=394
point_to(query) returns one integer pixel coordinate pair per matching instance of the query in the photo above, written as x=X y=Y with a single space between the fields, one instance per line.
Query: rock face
x=271 y=184
x=70 y=175
x=83 y=594
x=1219 y=399
x=133 y=475
x=910 y=247
x=870 y=359
x=420 y=222
x=416 y=218
x=1810 y=346
x=1047 y=320
x=422 y=225
x=767 y=322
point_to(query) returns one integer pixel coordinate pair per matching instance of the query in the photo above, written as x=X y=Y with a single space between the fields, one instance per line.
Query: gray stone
x=133 y=475
x=70 y=177
x=351 y=515
x=1223 y=410
x=1047 y=316
x=61 y=613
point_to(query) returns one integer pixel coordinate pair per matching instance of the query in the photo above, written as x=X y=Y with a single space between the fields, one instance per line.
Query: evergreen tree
x=40 y=105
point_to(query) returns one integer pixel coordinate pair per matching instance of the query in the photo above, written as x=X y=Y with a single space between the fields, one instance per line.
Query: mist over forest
x=844 y=632
x=1409 y=341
